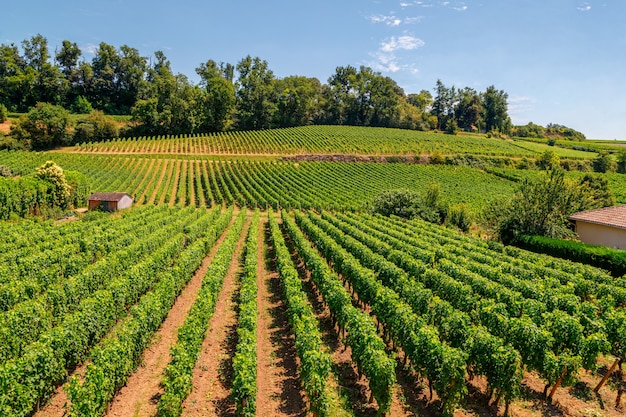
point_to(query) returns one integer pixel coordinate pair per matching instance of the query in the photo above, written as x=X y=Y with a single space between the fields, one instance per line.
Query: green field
x=327 y=140
x=236 y=270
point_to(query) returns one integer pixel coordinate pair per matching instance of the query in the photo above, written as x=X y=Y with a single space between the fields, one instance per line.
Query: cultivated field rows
x=183 y=311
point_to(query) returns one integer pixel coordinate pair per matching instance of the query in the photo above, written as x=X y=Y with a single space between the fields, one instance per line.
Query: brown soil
x=212 y=374
x=140 y=395
x=5 y=127
x=279 y=392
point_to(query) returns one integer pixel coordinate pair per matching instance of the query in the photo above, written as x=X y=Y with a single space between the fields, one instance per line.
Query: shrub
x=459 y=216
x=95 y=128
x=45 y=126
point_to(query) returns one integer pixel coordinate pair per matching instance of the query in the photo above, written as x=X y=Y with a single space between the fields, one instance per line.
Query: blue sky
x=560 y=61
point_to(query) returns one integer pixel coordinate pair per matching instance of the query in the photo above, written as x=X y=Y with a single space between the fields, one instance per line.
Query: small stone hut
x=110 y=201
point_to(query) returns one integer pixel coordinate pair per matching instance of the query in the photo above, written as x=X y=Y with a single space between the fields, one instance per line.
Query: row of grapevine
x=442 y=365
x=245 y=360
x=27 y=320
x=184 y=354
x=546 y=345
x=487 y=355
x=368 y=350
x=83 y=310
x=315 y=363
x=117 y=357
x=320 y=185
x=28 y=271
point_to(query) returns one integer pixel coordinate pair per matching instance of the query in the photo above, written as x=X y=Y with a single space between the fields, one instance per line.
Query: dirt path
x=140 y=395
x=212 y=375
x=279 y=392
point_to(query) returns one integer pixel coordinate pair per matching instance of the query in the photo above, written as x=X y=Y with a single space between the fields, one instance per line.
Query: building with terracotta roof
x=110 y=201
x=605 y=226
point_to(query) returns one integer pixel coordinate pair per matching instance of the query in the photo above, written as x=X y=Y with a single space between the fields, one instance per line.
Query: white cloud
x=388 y=58
x=405 y=42
x=388 y=20
x=584 y=7
x=89 y=48
x=520 y=107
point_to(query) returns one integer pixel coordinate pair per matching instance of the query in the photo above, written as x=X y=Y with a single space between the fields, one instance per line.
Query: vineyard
x=205 y=182
x=408 y=317
x=245 y=284
x=325 y=140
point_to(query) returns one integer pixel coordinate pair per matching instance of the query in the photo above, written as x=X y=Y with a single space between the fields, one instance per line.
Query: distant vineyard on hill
x=325 y=140
x=202 y=182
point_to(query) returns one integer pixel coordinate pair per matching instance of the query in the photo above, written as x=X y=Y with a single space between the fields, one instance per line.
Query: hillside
x=241 y=283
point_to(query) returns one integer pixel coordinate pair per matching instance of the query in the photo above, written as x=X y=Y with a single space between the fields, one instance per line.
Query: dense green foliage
x=612 y=260
x=245 y=96
x=244 y=387
x=49 y=188
x=184 y=353
x=541 y=207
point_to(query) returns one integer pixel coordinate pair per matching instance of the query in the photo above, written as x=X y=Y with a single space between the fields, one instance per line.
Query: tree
x=48 y=83
x=495 y=110
x=96 y=127
x=604 y=162
x=45 y=126
x=67 y=59
x=541 y=207
x=61 y=191
x=468 y=109
x=297 y=100
x=170 y=104
x=423 y=100
x=218 y=100
x=444 y=104
x=256 y=98
x=409 y=204
x=548 y=160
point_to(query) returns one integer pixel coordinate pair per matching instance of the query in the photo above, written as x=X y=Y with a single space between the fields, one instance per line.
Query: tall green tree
x=218 y=96
x=495 y=110
x=169 y=103
x=541 y=207
x=48 y=84
x=298 y=100
x=443 y=104
x=468 y=109
x=256 y=98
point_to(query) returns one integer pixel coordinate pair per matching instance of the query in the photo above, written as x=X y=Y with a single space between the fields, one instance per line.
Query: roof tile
x=608 y=216
x=108 y=196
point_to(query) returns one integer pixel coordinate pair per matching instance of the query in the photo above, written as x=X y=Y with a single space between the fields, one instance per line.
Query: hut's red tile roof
x=607 y=216
x=108 y=196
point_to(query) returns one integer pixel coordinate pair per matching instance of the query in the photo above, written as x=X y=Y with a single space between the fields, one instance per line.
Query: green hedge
x=613 y=260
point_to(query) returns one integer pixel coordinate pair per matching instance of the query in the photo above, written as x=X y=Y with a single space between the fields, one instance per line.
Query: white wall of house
x=597 y=234
x=125 y=202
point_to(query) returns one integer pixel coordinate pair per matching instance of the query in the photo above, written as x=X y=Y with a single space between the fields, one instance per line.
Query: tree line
x=245 y=96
